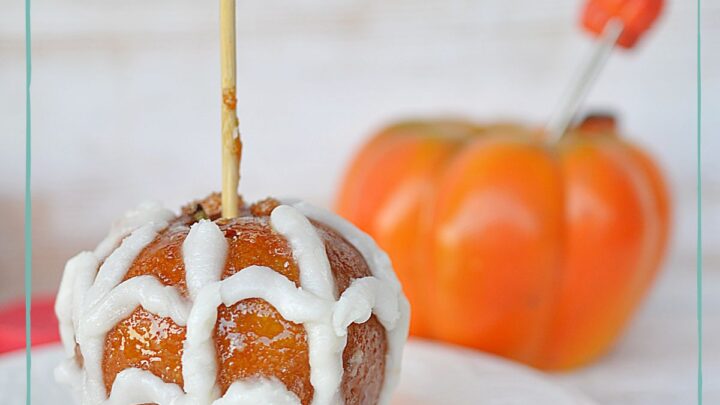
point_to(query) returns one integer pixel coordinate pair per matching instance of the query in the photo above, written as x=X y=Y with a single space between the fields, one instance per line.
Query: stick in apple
x=231 y=145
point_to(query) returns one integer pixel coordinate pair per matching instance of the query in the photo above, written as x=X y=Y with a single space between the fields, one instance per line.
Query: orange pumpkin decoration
x=504 y=242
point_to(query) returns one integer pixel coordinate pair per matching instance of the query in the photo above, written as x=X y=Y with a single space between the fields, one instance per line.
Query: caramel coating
x=364 y=363
x=251 y=338
x=163 y=259
x=148 y=342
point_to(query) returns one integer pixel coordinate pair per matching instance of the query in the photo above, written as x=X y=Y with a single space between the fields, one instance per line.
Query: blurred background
x=125 y=106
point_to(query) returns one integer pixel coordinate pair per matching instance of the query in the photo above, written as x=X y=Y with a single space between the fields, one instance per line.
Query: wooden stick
x=231 y=145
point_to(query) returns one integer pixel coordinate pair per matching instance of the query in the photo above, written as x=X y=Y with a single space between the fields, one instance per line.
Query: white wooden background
x=126 y=109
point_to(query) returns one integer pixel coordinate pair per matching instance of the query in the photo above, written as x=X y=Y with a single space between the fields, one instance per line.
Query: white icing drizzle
x=88 y=309
x=361 y=299
x=136 y=386
x=199 y=357
x=324 y=346
x=308 y=249
x=204 y=252
x=293 y=303
x=121 y=301
x=376 y=258
x=133 y=219
x=247 y=393
x=78 y=276
x=117 y=264
x=380 y=267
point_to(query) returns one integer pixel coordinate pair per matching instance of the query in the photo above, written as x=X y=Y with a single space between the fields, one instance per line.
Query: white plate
x=433 y=374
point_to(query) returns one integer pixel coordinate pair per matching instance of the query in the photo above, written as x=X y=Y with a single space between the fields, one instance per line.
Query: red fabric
x=12 y=324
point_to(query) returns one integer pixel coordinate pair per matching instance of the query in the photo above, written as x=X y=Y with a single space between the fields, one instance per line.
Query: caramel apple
x=283 y=304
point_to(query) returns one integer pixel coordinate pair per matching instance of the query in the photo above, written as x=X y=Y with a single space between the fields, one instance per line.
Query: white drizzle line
x=308 y=249
x=360 y=300
x=136 y=386
x=380 y=267
x=78 y=276
x=376 y=258
x=145 y=291
x=199 y=357
x=247 y=392
x=294 y=304
x=118 y=263
x=324 y=346
x=204 y=252
x=133 y=219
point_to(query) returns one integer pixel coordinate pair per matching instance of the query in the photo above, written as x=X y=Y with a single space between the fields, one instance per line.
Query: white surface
x=432 y=375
